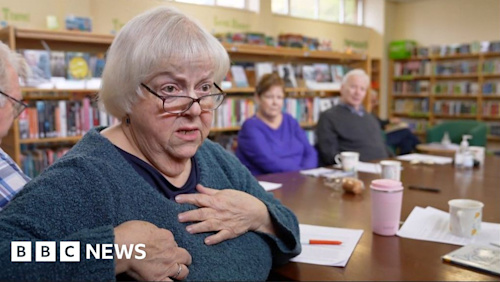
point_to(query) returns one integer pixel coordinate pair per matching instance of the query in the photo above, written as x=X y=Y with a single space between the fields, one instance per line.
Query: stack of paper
x=317 y=171
x=425 y=158
x=331 y=255
x=268 y=186
x=431 y=224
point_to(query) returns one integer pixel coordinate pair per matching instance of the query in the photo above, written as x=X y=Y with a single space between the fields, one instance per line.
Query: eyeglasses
x=175 y=104
x=18 y=105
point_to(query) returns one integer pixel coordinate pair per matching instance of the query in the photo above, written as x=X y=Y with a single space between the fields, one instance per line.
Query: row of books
x=491 y=88
x=33 y=162
x=234 y=111
x=455 y=87
x=424 y=67
x=411 y=87
x=494 y=128
x=456 y=67
x=45 y=65
x=453 y=108
x=420 y=68
x=412 y=106
x=313 y=76
x=61 y=118
x=491 y=66
x=491 y=109
x=453 y=49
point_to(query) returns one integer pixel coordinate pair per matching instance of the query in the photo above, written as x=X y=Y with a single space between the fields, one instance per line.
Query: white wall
x=439 y=22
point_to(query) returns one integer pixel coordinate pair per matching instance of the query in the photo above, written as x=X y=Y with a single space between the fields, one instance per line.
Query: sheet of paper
x=331 y=255
x=368 y=167
x=317 y=171
x=425 y=158
x=431 y=224
x=268 y=186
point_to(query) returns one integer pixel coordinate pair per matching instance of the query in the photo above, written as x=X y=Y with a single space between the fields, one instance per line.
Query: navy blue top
x=263 y=149
x=157 y=180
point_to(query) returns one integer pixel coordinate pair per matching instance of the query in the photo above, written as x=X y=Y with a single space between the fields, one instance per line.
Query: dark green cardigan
x=92 y=189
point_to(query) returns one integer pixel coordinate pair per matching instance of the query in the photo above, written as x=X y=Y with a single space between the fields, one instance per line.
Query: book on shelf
x=318 y=77
x=286 y=72
x=322 y=73
x=262 y=68
x=479 y=257
x=39 y=64
x=227 y=81
x=239 y=76
x=58 y=64
x=61 y=118
x=337 y=73
x=77 y=65
x=96 y=64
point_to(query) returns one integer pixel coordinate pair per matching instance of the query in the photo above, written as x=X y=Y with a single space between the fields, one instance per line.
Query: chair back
x=457 y=128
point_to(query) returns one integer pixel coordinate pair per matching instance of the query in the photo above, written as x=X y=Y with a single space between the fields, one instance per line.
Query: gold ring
x=178 y=271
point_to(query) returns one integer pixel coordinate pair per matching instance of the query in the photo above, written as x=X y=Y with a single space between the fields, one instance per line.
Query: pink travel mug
x=386 y=199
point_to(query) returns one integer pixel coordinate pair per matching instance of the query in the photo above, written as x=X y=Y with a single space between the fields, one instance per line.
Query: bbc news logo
x=69 y=251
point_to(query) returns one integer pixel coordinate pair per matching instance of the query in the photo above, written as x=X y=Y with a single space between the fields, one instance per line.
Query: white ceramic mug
x=391 y=170
x=348 y=160
x=465 y=217
x=478 y=153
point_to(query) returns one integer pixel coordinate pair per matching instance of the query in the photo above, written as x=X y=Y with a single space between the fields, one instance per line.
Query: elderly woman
x=154 y=179
x=273 y=141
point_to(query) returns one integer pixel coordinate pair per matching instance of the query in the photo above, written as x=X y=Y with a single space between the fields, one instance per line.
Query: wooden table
x=388 y=258
x=436 y=149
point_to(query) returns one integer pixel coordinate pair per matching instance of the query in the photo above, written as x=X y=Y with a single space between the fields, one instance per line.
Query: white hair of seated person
x=356 y=72
x=143 y=47
x=9 y=57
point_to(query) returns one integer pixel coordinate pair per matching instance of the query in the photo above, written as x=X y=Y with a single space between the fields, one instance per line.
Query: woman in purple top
x=272 y=141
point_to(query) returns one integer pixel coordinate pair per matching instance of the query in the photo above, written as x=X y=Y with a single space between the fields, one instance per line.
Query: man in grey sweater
x=348 y=127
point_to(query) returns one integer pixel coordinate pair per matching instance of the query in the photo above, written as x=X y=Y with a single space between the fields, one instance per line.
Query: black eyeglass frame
x=193 y=100
x=20 y=104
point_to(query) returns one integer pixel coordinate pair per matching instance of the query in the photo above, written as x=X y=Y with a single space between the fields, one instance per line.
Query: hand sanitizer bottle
x=446 y=139
x=463 y=156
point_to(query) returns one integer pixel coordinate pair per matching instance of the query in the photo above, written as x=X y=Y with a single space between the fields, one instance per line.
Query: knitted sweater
x=339 y=130
x=92 y=189
x=263 y=149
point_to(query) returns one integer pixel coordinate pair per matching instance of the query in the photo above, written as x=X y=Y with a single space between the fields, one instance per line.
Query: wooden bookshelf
x=461 y=71
x=75 y=41
x=72 y=139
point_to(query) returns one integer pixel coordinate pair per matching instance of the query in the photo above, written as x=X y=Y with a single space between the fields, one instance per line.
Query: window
x=302 y=9
x=341 y=11
x=329 y=10
x=251 y=5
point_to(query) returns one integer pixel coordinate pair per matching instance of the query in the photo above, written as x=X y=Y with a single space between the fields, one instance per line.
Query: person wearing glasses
x=272 y=141
x=155 y=179
x=12 y=65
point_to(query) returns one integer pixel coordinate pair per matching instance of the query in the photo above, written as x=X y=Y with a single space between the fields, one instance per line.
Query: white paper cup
x=465 y=217
x=348 y=160
x=391 y=170
x=478 y=153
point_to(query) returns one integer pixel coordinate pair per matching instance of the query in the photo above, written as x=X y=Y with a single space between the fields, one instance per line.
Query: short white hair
x=143 y=47
x=9 y=57
x=356 y=72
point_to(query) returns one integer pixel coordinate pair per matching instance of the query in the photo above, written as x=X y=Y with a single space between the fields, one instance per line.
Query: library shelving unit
x=245 y=53
x=375 y=74
x=74 y=41
x=426 y=90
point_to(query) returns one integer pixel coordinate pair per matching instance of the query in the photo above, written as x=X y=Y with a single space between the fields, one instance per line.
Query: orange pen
x=320 y=242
